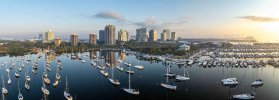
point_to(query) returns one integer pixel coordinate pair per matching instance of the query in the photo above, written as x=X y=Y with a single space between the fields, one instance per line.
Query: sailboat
x=44 y=89
x=57 y=75
x=229 y=81
x=67 y=95
x=19 y=68
x=16 y=74
x=7 y=67
x=167 y=85
x=101 y=66
x=127 y=64
x=129 y=89
x=27 y=77
x=93 y=63
x=130 y=71
x=20 y=97
x=183 y=78
x=83 y=61
x=9 y=80
x=119 y=67
x=27 y=86
x=257 y=82
x=4 y=90
x=246 y=96
x=139 y=66
x=56 y=82
x=169 y=74
x=113 y=81
x=119 y=60
x=104 y=73
x=45 y=78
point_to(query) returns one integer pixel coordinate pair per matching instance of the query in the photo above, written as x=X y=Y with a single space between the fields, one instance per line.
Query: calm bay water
x=87 y=83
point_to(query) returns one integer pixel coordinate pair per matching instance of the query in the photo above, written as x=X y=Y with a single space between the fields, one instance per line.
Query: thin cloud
x=110 y=15
x=150 y=22
x=180 y=21
x=260 y=19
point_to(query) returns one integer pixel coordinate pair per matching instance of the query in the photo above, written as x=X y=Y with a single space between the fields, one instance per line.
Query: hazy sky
x=189 y=18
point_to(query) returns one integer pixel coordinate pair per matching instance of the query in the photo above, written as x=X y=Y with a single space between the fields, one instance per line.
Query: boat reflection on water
x=104 y=75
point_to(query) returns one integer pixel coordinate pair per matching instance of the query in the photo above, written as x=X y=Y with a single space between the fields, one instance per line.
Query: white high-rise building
x=167 y=31
x=164 y=36
x=49 y=36
x=173 y=36
x=153 y=36
x=123 y=35
x=141 y=35
x=110 y=35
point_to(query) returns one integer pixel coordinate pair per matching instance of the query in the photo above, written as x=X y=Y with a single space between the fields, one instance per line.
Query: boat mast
x=187 y=73
x=184 y=71
x=112 y=72
x=67 y=90
x=3 y=81
x=18 y=88
x=129 y=79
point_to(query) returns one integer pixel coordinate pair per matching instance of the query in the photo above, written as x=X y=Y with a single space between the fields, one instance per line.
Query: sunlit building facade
x=153 y=36
x=74 y=40
x=49 y=36
x=57 y=42
x=92 y=39
x=123 y=35
x=110 y=35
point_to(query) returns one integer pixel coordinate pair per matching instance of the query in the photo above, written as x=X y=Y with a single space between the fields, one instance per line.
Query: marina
x=164 y=79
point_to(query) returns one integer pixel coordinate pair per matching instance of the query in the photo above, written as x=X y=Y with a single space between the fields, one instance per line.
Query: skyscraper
x=57 y=42
x=110 y=35
x=173 y=36
x=93 y=39
x=102 y=36
x=41 y=36
x=153 y=36
x=49 y=36
x=141 y=35
x=164 y=36
x=123 y=35
x=167 y=31
x=74 y=40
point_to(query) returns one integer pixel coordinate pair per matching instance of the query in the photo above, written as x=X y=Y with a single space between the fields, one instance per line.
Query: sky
x=188 y=18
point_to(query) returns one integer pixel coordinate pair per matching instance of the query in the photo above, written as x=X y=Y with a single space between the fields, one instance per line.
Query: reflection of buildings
x=93 y=54
x=50 y=56
x=109 y=57
x=122 y=56
x=57 y=42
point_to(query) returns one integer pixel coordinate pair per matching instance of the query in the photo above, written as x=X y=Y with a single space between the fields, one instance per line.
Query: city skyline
x=189 y=19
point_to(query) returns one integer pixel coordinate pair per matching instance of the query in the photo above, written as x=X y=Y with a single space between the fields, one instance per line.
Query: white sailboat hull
x=67 y=96
x=139 y=67
x=131 y=91
x=182 y=78
x=244 y=96
x=115 y=82
x=119 y=68
x=45 y=91
x=168 y=86
x=4 y=91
